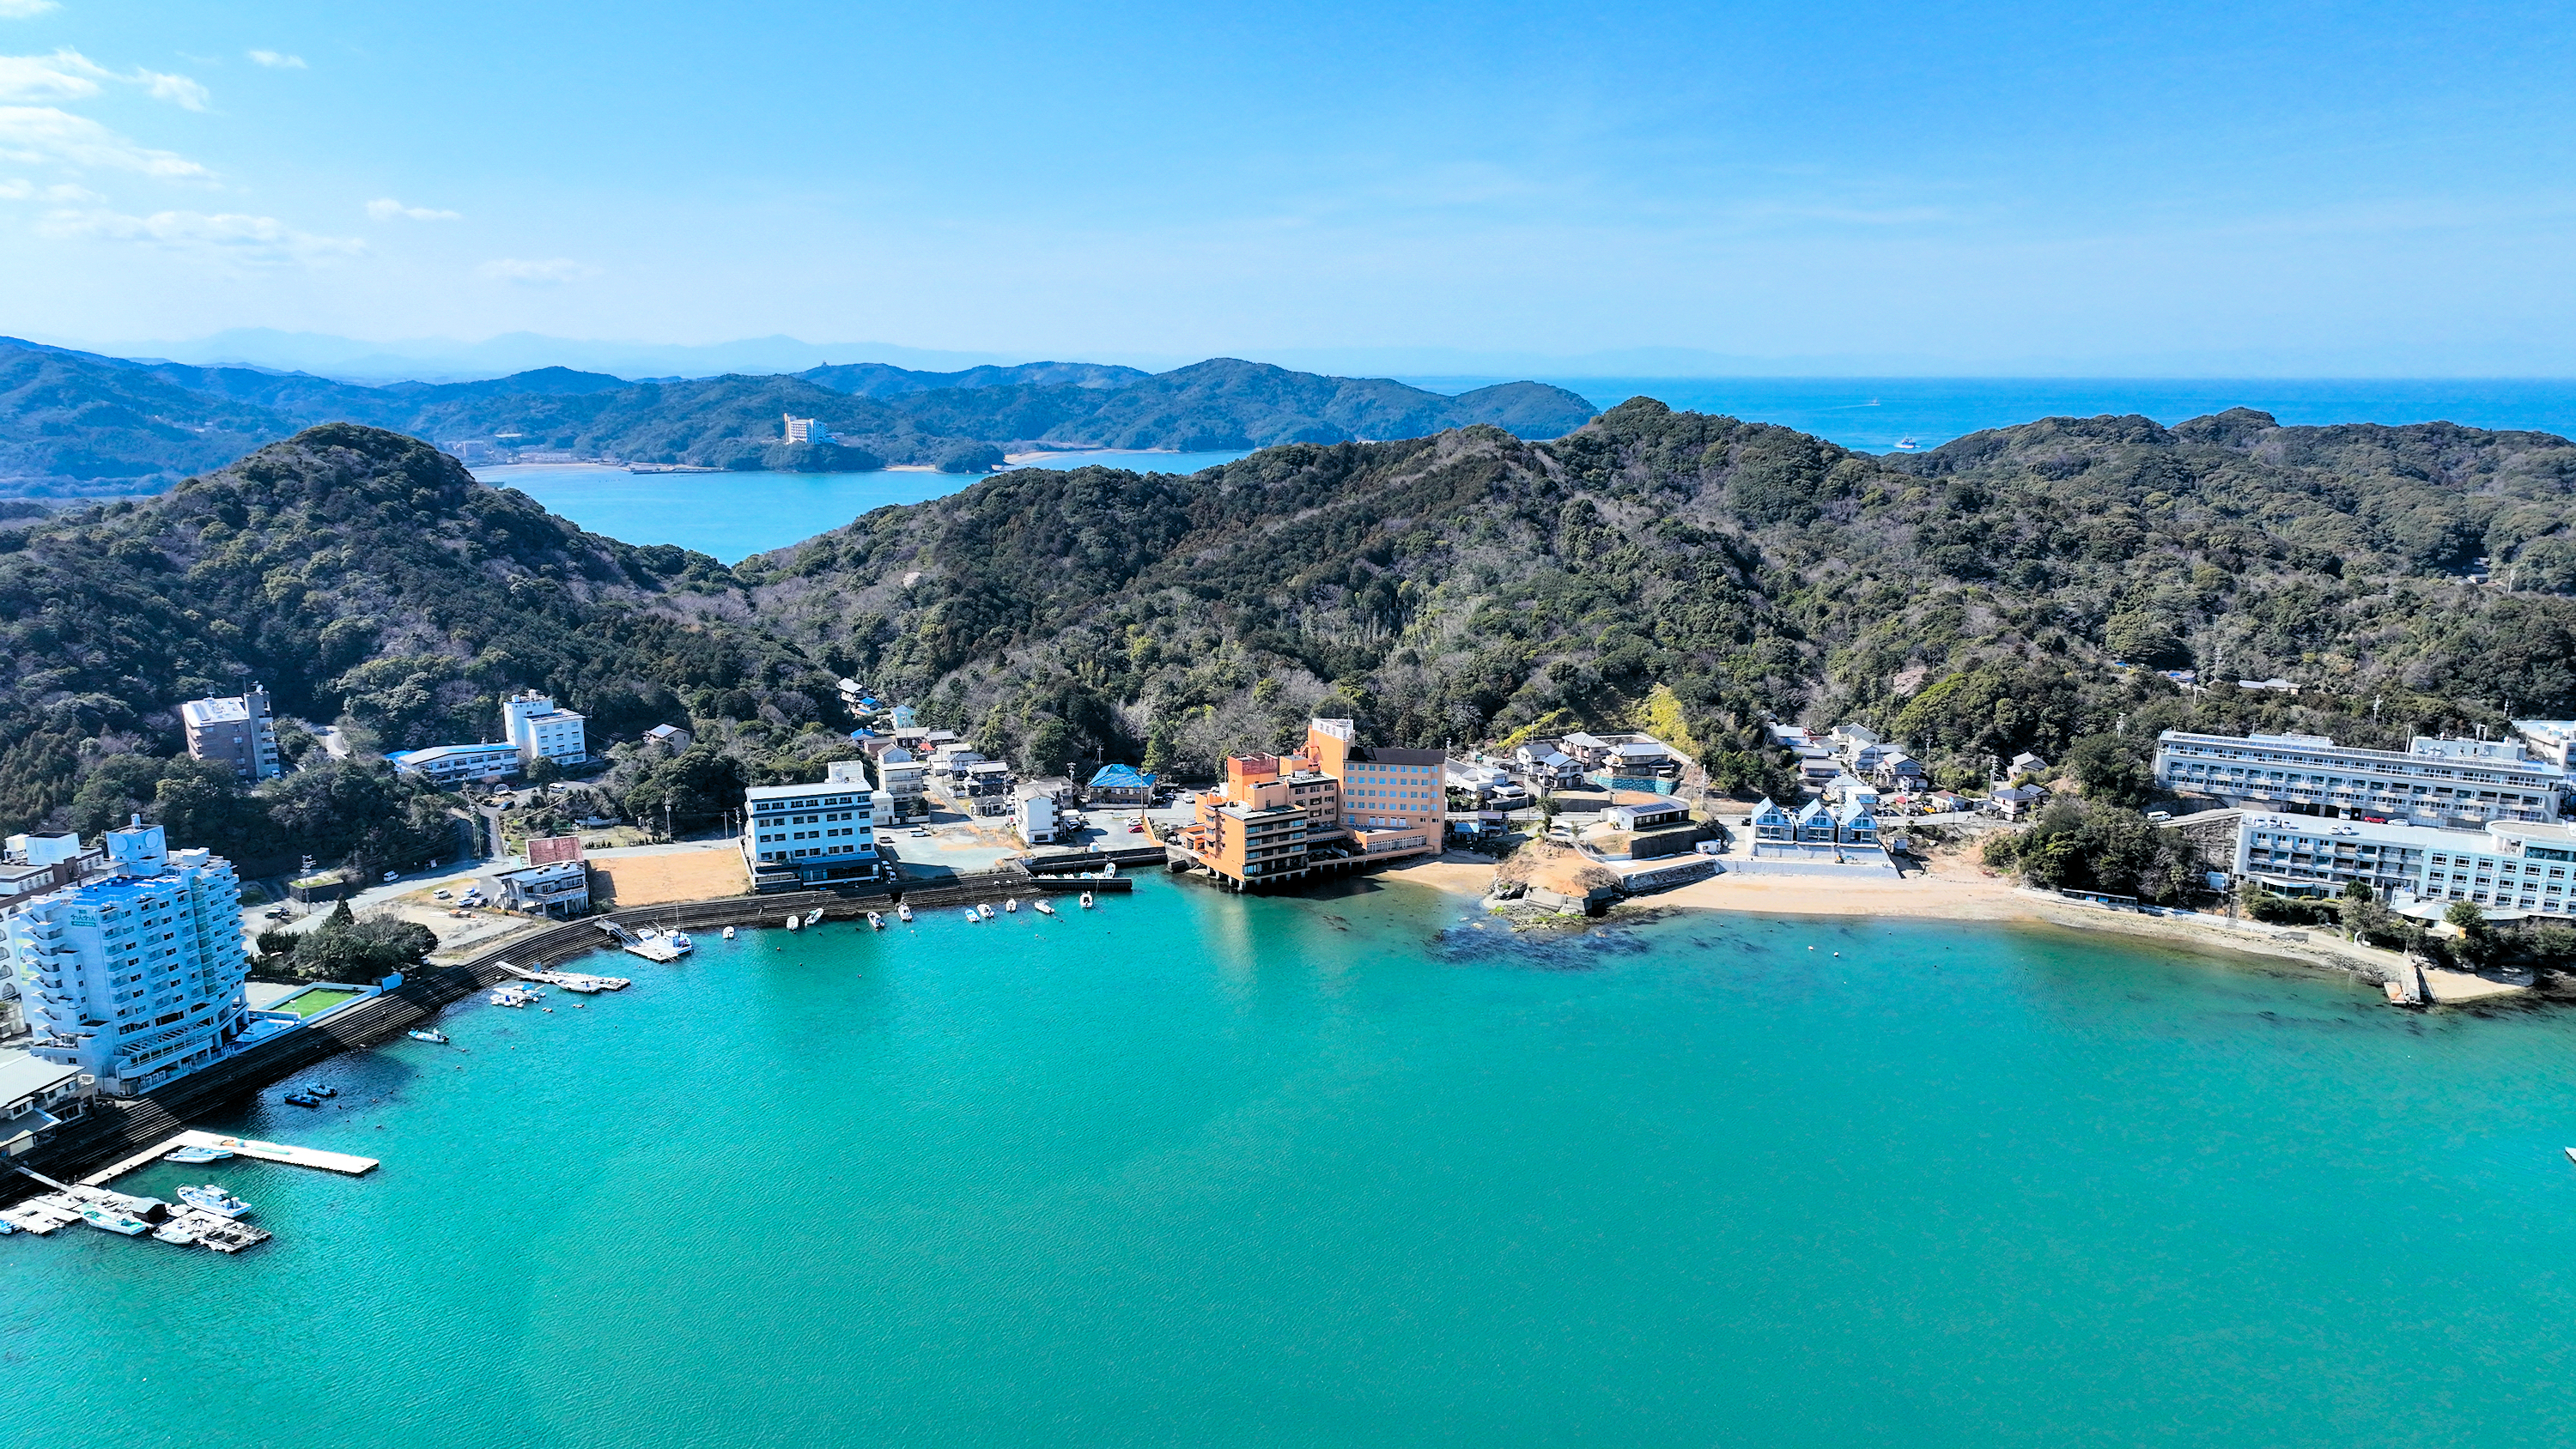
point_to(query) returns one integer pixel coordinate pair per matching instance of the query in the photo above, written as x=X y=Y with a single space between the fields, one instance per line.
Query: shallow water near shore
x=1363 y=1169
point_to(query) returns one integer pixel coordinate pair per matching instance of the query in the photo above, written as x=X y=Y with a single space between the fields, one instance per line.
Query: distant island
x=76 y=424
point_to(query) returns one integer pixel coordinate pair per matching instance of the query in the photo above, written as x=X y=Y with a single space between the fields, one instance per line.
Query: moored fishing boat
x=112 y=1220
x=212 y=1198
x=902 y=912
x=1086 y=900
x=814 y=917
x=196 y=1154
x=985 y=910
x=875 y=922
x=1044 y=909
x=679 y=941
x=795 y=923
x=433 y=1034
x=728 y=933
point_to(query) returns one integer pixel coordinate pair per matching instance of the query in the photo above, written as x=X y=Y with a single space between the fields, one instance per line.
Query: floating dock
x=341 y=1162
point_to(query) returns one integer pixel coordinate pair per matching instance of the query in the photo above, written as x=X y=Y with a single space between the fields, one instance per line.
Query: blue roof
x=1121 y=777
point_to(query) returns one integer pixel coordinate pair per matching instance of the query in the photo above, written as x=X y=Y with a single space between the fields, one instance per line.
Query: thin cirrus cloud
x=25 y=9
x=251 y=240
x=68 y=75
x=50 y=136
x=550 y=273
x=277 y=60
x=385 y=208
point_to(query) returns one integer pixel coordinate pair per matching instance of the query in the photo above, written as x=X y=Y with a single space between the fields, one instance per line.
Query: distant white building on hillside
x=806 y=430
x=542 y=732
x=235 y=731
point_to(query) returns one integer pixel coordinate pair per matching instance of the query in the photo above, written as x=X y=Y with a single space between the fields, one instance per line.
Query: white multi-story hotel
x=531 y=722
x=812 y=834
x=2511 y=868
x=451 y=765
x=132 y=973
x=2433 y=782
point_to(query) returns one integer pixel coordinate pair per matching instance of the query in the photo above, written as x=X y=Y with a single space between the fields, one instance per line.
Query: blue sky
x=2233 y=189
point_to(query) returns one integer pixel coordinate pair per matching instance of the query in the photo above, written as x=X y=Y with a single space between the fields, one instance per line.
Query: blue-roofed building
x=1120 y=785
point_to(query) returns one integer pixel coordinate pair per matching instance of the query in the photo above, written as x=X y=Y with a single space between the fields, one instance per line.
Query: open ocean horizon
x=735 y=515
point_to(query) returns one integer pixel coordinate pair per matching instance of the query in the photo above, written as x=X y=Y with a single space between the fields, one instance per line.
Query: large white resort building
x=802 y=835
x=2435 y=782
x=127 y=960
x=2510 y=869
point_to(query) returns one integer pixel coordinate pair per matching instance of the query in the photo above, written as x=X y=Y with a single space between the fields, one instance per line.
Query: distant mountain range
x=81 y=424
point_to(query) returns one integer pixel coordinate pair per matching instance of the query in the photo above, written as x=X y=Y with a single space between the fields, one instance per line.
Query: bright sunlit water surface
x=1193 y=1169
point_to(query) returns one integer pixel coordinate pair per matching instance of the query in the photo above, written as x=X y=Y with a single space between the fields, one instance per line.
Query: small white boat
x=1086 y=900
x=213 y=1199
x=1012 y=905
x=1109 y=871
x=1044 y=909
x=196 y=1154
x=814 y=917
x=875 y=921
x=511 y=996
x=679 y=941
x=902 y=912
x=972 y=918
x=795 y=923
x=649 y=933
x=179 y=1232
x=113 y=1221
x=432 y=1035
x=728 y=933
x=985 y=910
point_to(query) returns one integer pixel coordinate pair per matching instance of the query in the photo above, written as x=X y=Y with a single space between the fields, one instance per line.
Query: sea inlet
x=1359 y=1169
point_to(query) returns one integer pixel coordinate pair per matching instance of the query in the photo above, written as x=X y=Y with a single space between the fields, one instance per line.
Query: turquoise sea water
x=1874 y=414
x=1194 y=1169
x=736 y=515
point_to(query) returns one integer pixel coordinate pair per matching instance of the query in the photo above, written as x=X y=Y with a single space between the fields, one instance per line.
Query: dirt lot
x=652 y=880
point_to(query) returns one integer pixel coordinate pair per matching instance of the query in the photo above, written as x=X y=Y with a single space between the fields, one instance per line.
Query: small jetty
x=650 y=944
x=573 y=981
x=314 y=1157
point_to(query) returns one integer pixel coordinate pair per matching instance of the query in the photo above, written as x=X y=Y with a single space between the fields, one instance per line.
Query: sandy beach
x=1956 y=888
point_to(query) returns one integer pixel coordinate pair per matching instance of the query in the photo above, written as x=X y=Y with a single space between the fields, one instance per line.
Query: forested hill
x=1972 y=600
x=1689 y=573
x=76 y=424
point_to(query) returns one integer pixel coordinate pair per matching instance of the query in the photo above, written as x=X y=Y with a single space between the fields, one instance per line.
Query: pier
x=340 y=1162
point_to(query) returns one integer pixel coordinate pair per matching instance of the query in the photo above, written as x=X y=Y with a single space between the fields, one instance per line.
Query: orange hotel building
x=1334 y=802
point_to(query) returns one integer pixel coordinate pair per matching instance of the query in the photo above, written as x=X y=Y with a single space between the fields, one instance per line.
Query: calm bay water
x=736 y=515
x=1194 y=1169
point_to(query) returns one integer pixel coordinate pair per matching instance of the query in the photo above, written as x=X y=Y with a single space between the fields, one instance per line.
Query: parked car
x=443 y=895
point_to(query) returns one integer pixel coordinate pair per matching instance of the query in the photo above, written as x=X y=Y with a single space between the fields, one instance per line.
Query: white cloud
x=177 y=89
x=536 y=274
x=385 y=208
x=63 y=194
x=258 y=240
x=41 y=135
x=274 y=60
x=68 y=75
x=22 y=9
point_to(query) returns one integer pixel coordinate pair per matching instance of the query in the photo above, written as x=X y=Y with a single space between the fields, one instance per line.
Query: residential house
x=1661 y=815
x=1034 y=815
x=1773 y=824
x=1119 y=785
x=37 y=1096
x=2012 y=802
x=671 y=737
x=558 y=888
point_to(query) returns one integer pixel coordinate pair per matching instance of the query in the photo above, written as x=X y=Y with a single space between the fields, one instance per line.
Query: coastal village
x=129 y=969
